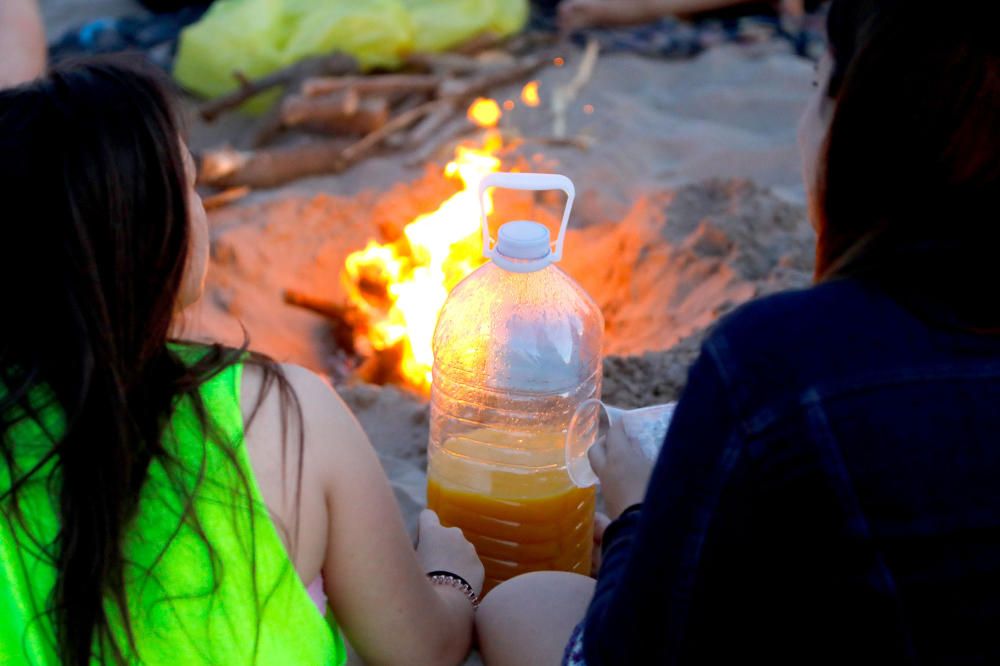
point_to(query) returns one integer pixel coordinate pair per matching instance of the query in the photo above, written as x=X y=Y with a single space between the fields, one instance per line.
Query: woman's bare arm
x=22 y=42
x=377 y=588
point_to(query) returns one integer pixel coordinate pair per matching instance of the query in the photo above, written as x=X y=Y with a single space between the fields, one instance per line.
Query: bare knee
x=528 y=619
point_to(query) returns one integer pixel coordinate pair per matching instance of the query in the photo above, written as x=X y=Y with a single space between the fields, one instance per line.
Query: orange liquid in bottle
x=519 y=519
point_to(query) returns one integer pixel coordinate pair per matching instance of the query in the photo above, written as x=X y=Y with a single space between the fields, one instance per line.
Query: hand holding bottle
x=446 y=549
x=622 y=467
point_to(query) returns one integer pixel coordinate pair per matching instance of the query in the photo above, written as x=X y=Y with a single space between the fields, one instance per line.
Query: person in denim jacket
x=829 y=489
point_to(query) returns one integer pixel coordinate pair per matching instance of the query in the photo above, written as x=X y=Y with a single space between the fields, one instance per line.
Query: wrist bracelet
x=454 y=580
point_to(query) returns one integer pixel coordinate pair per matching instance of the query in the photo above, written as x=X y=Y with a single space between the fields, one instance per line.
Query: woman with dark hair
x=828 y=489
x=163 y=502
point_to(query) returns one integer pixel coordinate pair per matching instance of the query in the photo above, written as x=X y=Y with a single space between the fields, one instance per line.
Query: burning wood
x=400 y=287
x=343 y=319
x=378 y=107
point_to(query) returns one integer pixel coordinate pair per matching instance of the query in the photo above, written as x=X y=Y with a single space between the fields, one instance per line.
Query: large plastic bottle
x=516 y=349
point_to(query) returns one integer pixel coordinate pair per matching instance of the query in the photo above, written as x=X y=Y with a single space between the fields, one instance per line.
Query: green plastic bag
x=256 y=37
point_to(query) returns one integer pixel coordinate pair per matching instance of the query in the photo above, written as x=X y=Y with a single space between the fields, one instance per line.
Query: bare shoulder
x=305 y=446
x=330 y=431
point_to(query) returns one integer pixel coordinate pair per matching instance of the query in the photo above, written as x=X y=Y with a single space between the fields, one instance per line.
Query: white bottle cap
x=524 y=246
x=524 y=240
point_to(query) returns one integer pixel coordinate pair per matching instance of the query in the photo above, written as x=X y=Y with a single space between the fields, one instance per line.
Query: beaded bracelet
x=454 y=580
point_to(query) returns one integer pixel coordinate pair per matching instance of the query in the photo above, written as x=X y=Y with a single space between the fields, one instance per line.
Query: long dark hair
x=910 y=181
x=95 y=243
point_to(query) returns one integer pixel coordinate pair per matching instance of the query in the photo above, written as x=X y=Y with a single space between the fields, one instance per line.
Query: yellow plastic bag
x=235 y=36
x=256 y=37
x=376 y=32
x=440 y=25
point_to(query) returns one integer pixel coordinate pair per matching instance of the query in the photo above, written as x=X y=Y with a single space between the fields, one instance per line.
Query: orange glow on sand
x=485 y=112
x=588 y=109
x=558 y=62
x=529 y=94
x=400 y=287
x=508 y=105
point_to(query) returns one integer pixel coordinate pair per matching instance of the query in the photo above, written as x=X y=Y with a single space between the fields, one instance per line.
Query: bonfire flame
x=400 y=287
x=529 y=94
x=485 y=112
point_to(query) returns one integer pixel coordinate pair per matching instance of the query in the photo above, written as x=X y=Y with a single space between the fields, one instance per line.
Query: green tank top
x=242 y=604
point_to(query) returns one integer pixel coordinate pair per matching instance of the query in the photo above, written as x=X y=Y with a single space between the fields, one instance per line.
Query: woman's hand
x=446 y=549
x=623 y=469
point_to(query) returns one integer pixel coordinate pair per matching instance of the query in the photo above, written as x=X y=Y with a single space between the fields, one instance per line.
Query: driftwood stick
x=269 y=127
x=430 y=124
x=297 y=109
x=225 y=197
x=458 y=62
x=262 y=169
x=580 y=142
x=276 y=166
x=410 y=101
x=451 y=64
x=479 y=43
x=365 y=85
x=343 y=113
x=360 y=149
x=326 y=65
x=458 y=90
x=449 y=96
x=269 y=168
x=434 y=144
x=564 y=95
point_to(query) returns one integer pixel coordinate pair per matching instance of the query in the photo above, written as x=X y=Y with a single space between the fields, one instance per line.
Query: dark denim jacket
x=829 y=492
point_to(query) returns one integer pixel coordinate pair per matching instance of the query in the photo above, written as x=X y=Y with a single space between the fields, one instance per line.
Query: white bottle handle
x=532 y=182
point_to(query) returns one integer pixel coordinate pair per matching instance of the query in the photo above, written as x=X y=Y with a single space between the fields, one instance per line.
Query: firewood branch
x=344 y=108
x=326 y=65
x=565 y=95
x=366 y=85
